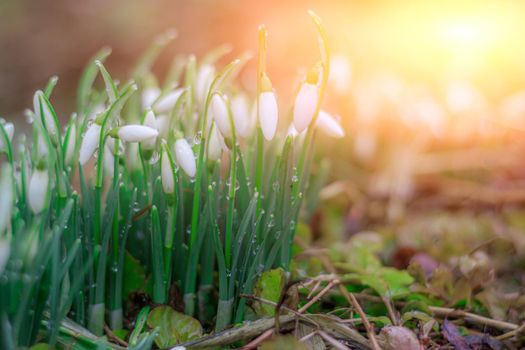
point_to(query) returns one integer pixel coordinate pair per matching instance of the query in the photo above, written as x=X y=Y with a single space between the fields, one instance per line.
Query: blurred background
x=431 y=93
x=425 y=43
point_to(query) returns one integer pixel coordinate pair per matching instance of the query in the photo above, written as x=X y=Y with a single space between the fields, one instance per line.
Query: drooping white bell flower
x=167 y=178
x=10 y=131
x=134 y=133
x=133 y=157
x=37 y=193
x=292 y=131
x=166 y=103
x=329 y=125
x=98 y=109
x=151 y=121
x=109 y=161
x=89 y=143
x=340 y=76
x=42 y=150
x=305 y=104
x=221 y=115
x=185 y=157
x=5 y=251
x=244 y=120
x=163 y=123
x=204 y=80
x=71 y=143
x=149 y=96
x=268 y=114
x=43 y=111
x=214 y=144
x=6 y=204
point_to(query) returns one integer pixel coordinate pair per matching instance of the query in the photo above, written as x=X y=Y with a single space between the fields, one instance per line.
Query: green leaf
x=269 y=287
x=135 y=276
x=173 y=327
x=386 y=281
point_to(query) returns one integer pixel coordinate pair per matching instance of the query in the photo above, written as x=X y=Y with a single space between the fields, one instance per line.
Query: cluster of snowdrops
x=188 y=182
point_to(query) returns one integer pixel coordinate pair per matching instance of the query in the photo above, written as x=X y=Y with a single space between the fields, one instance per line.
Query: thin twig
x=257 y=341
x=113 y=337
x=318 y=296
x=473 y=318
x=455 y=313
x=333 y=341
x=353 y=301
x=511 y=334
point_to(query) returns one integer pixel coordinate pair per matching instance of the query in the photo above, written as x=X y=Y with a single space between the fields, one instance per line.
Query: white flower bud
x=221 y=115
x=244 y=120
x=163 y=122
x=329 y=125
x=71 y=143
x=38 y=186
x=5 y=251
x=109 y=161
x=185 y=157
x=136 y=133
x=304 y=107
x=6 y=204
x=204 y=80
x=43 y=111
x=10 y=130
x=98 y=109
x=89 y=143
x=150 y=121
x=149 y=96
x=133 y=156
x=166 y=103
x=340 y=75
x=268 y=114
x=167 y=178
x=42 y=150
x=214 y=144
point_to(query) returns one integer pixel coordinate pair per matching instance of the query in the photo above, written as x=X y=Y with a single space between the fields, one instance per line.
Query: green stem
x=159 y=280
x=168 y=242
x=228 y=238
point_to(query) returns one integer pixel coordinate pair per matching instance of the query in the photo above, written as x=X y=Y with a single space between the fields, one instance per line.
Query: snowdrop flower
x=38 y=186
x=6 y=204
x=306 y=102
x=163 y=123
x=89 y=143
x=109 y=161
x=42 y=150
x=268 y=111
x=151 y=122
x=166 y=103
x=221 y=115
x=5 y=251
x=133 y=156
x=134 y=133
x=43 y=110
x=340 y=73
x=10 y=131
x=70 y=146
x=329 y=125
x=292 y=131
x=244 y=121
x=204 y=80
x=149 y=96
x=185 y=157
x=98 y=109
x=167 y=178
x=214 y=144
